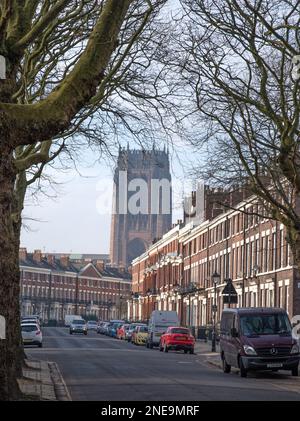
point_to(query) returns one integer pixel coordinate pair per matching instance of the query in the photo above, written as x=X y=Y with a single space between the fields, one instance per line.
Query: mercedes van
x=258 y=339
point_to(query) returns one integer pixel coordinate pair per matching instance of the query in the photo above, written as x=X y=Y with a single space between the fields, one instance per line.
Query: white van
x=158 y=324
x=70 y=317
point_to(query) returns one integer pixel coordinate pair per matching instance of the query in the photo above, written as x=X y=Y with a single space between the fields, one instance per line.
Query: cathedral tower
x=142 y=203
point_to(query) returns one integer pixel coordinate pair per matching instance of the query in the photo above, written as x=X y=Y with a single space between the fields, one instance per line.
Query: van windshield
x=265 y=324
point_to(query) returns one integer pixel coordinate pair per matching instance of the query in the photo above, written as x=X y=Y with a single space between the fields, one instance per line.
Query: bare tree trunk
x=9 y=281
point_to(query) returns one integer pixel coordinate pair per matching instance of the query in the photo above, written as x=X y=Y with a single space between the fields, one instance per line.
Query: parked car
x=31 y=334
x=131 y=329
x=30 y=321
x=158 y=325
x=140 y=335
x=258 y=339
x=112 y=328
x=121 y=331
x=32 y=318
x=100 y=327
x=91 y=325
x=106 y=328
x=78 y=326
x=178 y=339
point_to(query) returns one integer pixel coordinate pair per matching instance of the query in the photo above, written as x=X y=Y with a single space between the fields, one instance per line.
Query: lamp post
x=216 y=280
x=148 y=293
x=109 y=304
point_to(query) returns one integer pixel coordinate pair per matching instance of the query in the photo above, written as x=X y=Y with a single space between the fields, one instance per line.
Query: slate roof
x=77 y=267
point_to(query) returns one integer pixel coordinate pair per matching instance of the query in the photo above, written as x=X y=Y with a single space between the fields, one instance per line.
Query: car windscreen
x=180 y=331
x=143 y=329
x=265 y=324
x=29 y=328
x=92 y=323
x=78 y=322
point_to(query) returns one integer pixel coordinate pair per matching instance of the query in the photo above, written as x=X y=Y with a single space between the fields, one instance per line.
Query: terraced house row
x=54 y=286
x=176 y=272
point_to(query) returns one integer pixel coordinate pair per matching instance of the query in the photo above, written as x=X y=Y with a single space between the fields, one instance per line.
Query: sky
x=78 y=218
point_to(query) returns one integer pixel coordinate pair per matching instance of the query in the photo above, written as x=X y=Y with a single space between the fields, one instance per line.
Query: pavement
x=42 y=381
x=99 y=368
x=204 y=349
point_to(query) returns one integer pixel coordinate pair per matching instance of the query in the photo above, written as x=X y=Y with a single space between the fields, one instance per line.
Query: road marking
x=80 y=349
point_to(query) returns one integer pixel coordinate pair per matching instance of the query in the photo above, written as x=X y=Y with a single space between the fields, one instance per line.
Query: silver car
x=92 y=325
x=31 y=334
x=78 y=326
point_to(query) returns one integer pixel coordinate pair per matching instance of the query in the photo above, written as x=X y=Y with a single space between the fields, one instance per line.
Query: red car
x=177 y=338
x=121 y=331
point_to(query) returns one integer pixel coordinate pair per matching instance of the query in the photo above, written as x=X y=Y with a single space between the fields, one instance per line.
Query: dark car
x=258 y=339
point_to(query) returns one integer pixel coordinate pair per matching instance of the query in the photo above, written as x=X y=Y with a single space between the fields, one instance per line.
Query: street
x=99 y=368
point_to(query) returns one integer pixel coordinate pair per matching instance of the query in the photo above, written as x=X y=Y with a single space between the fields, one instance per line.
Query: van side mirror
x=234 y=332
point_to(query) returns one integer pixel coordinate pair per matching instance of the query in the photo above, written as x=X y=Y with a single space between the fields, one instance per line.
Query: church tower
x=142 y=203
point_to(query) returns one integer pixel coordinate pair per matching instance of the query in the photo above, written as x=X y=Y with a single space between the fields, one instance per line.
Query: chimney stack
x=37 y=256
x=51 y=259
x=23 y=253
x=100 y=265
x=64 y=260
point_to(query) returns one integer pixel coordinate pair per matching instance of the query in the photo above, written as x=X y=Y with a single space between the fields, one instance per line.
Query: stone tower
x=142 y=203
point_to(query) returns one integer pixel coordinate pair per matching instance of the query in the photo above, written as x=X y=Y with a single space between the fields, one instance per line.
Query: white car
x=31 y=334
x=92 y=325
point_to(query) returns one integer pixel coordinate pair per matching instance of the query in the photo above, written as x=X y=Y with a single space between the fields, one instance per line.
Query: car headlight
x=249 y=350
x=295 y=349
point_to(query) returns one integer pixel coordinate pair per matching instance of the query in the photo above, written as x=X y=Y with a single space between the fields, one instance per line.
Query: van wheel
x=295 y=372
x=243 y=371
x=226 y=367
x=166 y=348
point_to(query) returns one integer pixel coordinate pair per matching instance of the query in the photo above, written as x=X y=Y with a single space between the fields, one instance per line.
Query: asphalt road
x=99 y=368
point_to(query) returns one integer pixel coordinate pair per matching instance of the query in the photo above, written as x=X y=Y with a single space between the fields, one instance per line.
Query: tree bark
x=9 y=281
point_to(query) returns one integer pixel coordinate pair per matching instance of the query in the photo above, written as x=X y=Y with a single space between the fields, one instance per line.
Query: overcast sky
x=78 y=219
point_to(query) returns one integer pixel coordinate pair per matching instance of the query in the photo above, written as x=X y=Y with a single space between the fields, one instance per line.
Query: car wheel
x=185 y=351
x=85 y=333
x=295 y=372
x=166 y=348
x=147 y=344
x=243 y=371
x=160 y=347
x=226 y=367
x=192 y=351
x=71 y=332
x=40 y=345
x=151 y=345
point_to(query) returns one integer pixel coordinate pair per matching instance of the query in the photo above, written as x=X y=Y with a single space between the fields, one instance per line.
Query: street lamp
x=216 y=280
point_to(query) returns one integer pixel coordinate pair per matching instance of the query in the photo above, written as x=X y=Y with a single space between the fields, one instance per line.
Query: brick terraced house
x=176 y=272
x=54 y=286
